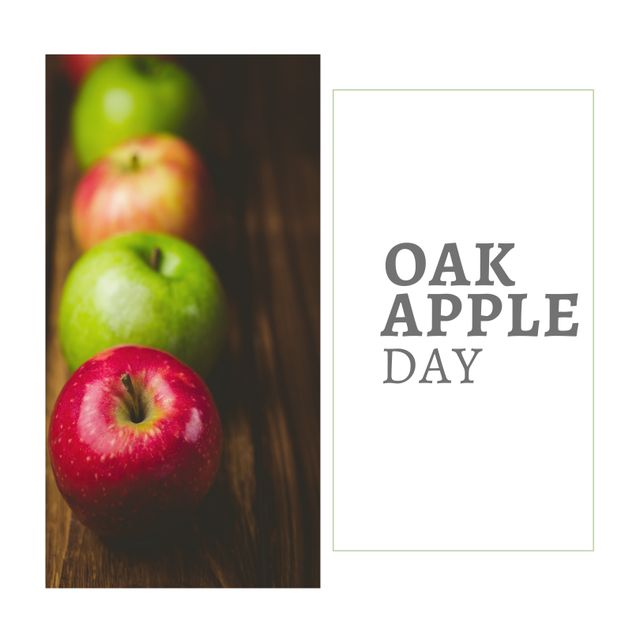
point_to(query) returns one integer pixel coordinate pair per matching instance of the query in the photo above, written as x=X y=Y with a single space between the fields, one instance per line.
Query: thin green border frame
x=593 y=360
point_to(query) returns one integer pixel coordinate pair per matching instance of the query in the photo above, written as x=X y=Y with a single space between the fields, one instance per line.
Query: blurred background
x=260 y=524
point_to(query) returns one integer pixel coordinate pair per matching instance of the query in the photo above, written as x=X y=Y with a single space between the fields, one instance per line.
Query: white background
x=363 y=44
x=505 y=462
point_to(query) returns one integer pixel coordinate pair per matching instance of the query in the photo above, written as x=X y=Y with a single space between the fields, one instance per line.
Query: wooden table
x=260 y=524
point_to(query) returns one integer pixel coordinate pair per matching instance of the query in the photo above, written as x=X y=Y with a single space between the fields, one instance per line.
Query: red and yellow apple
x=135 y=441
x=156 y=183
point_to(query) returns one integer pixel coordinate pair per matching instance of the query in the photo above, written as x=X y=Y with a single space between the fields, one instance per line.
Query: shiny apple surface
x=135 y=440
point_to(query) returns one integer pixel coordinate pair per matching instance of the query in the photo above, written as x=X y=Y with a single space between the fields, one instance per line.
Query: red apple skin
x=156 y=183
x=77 y=66
x=121 y=478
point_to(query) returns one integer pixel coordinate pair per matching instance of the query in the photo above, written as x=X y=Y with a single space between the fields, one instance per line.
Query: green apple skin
x=113 y=295
x=129 y=96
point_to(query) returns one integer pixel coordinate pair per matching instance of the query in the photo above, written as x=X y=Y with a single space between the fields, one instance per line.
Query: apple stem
x=136 y=409
x=155 y=258
x=135 y=162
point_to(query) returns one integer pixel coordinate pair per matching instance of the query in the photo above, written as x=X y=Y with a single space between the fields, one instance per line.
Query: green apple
x=147 y=289
x=128 y=96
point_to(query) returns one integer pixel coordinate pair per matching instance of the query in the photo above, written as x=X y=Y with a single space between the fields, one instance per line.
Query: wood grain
x=260 y=524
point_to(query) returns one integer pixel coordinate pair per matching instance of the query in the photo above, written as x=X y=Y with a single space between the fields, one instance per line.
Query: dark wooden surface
x=260 y=524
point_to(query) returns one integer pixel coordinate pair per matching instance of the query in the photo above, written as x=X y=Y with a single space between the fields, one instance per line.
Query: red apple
x=155 y=183
x=77 y=66
x=135 y=441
